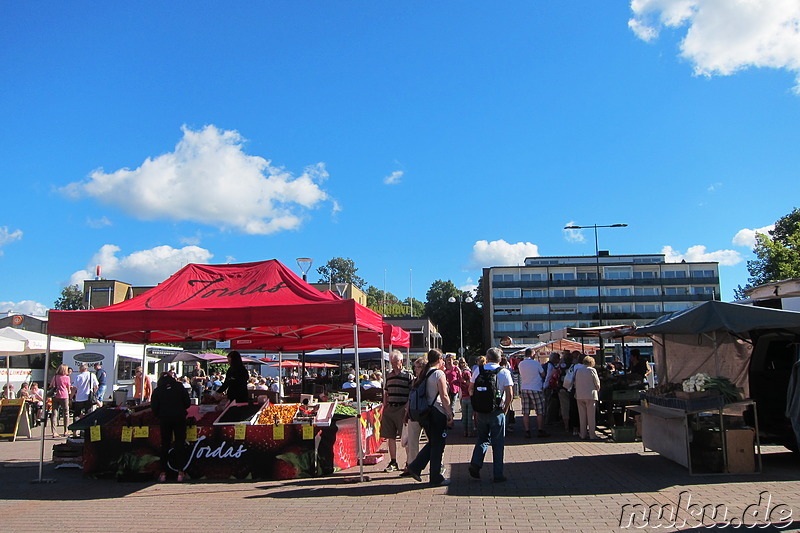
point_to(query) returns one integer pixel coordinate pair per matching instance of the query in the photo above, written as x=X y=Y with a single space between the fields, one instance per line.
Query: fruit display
x=277 y=414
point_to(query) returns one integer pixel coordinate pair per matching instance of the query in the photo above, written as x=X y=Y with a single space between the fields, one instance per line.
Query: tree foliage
x=340 y=270
x=445 y=315
x=71 y=299
x=777 y=255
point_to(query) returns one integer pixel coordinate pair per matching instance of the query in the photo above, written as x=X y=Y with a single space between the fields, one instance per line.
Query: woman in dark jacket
x=169 y=403
x=236 y=379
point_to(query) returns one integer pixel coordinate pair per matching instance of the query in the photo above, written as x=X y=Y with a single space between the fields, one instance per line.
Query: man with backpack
x=491 y=392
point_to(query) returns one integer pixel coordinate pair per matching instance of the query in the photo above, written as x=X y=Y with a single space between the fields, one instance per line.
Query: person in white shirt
x=587 y=385
x=85 y=384
x=531 y=381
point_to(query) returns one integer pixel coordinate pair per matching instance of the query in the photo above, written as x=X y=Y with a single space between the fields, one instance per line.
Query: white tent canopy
x=33 y=342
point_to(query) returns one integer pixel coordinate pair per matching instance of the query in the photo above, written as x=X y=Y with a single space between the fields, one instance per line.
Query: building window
x=703 y=274
x=562 y=276
x=507 y=311
x=619 y=308
x=504 y=277
x=676 y=291
x=585 y=309
x=617 y=291
x=507 y=326
x=645 y=291
x=533 y=277
x=672 y=274
x=534 y=293
x=703 y=290
x=617 y=272
x=670 y=307
x=587 y=291
x=647 y=308
x=645 y=275
x=587 y=276
x=562 y=310
x=562 y=293
x=505 y=293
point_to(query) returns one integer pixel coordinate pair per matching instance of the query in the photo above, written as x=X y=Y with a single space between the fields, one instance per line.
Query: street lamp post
x=305 y=265
x=597 y=262
x=460 y=300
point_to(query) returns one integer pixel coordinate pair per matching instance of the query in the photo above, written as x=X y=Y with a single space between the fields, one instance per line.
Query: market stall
x=263 y=303
x=701 y=412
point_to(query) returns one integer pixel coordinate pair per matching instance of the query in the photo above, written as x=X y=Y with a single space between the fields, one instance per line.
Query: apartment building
x=549 y=293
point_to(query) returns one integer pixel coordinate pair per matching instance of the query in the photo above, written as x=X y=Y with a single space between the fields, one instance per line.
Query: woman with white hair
x=587 y=385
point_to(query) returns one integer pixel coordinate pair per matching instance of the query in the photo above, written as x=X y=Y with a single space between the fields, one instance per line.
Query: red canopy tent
x=262 y=301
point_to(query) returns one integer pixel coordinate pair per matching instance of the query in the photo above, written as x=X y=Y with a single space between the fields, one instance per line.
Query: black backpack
x=486 y=396
x=419 y=406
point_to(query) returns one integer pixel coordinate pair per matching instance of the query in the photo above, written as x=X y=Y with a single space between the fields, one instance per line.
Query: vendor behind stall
x=235 y=384
x=639 y=367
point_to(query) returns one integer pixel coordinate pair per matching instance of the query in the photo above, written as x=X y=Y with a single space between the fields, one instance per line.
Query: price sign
x=240 y=431
x=94 y=433
x=141 y=432
x=127 y=434
x=191 y=433
x=277 y=432
x=308 y=432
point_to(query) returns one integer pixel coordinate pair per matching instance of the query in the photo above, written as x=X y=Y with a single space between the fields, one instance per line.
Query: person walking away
x=564 y=394
x=170 y=402
x=552 y=382
x=235 y=384
x=441 y=418
x=491 y=391
x=467 y=413
x=102 y=378
x=85 y=384
x=531 y=379
x=395 y=399
x=587 y=385
x=453 y=375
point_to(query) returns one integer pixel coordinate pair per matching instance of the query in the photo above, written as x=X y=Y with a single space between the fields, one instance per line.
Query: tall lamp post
x=597 y=262
x=305 y=265
x=460 y=300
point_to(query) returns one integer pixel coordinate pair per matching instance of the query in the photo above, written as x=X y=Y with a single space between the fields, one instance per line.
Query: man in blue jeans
x=491 y=426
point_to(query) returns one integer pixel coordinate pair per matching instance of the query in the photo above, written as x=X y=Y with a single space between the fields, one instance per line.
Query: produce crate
x=625 y=395
x=623 y=433
x=693 y=404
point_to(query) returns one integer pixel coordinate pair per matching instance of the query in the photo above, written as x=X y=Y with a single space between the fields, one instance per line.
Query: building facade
x=549 y=293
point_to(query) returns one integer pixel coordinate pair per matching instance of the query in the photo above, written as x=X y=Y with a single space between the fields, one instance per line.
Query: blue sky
x=423 y=140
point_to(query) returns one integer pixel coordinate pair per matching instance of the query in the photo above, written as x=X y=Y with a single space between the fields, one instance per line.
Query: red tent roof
x=257 y=301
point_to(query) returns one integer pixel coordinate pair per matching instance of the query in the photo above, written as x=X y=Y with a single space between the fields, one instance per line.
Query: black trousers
x=173 y=426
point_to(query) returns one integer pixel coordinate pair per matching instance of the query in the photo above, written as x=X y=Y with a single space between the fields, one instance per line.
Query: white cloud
x=697 y=253
x=97 y=222
x=145 y=267
x=747 y=237
x=725 y=36
x=714 y=187
x=393 y=178
x=470 y=288
x=25 y=307
x=209 y=179
x=7 y=237
x=499 y=253
x=573 y=235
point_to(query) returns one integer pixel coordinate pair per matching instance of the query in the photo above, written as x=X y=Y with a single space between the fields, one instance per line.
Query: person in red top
x=467 y=414
x=453 y=376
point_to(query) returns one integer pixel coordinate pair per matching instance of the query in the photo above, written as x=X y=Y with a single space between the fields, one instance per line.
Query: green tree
x=777 y=255
x=340 y=270
x=444 y=314
x=71 y=299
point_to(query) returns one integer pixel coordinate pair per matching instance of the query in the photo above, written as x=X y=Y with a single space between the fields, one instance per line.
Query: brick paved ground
x=554 y=484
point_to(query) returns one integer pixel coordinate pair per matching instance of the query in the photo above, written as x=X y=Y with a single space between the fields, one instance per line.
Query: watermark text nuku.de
x=687 y=514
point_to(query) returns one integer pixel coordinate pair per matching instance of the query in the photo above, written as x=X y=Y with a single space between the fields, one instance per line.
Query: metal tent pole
x=44 y=412
x=359 y=429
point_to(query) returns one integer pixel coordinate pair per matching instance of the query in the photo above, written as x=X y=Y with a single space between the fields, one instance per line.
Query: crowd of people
x=564 y=390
